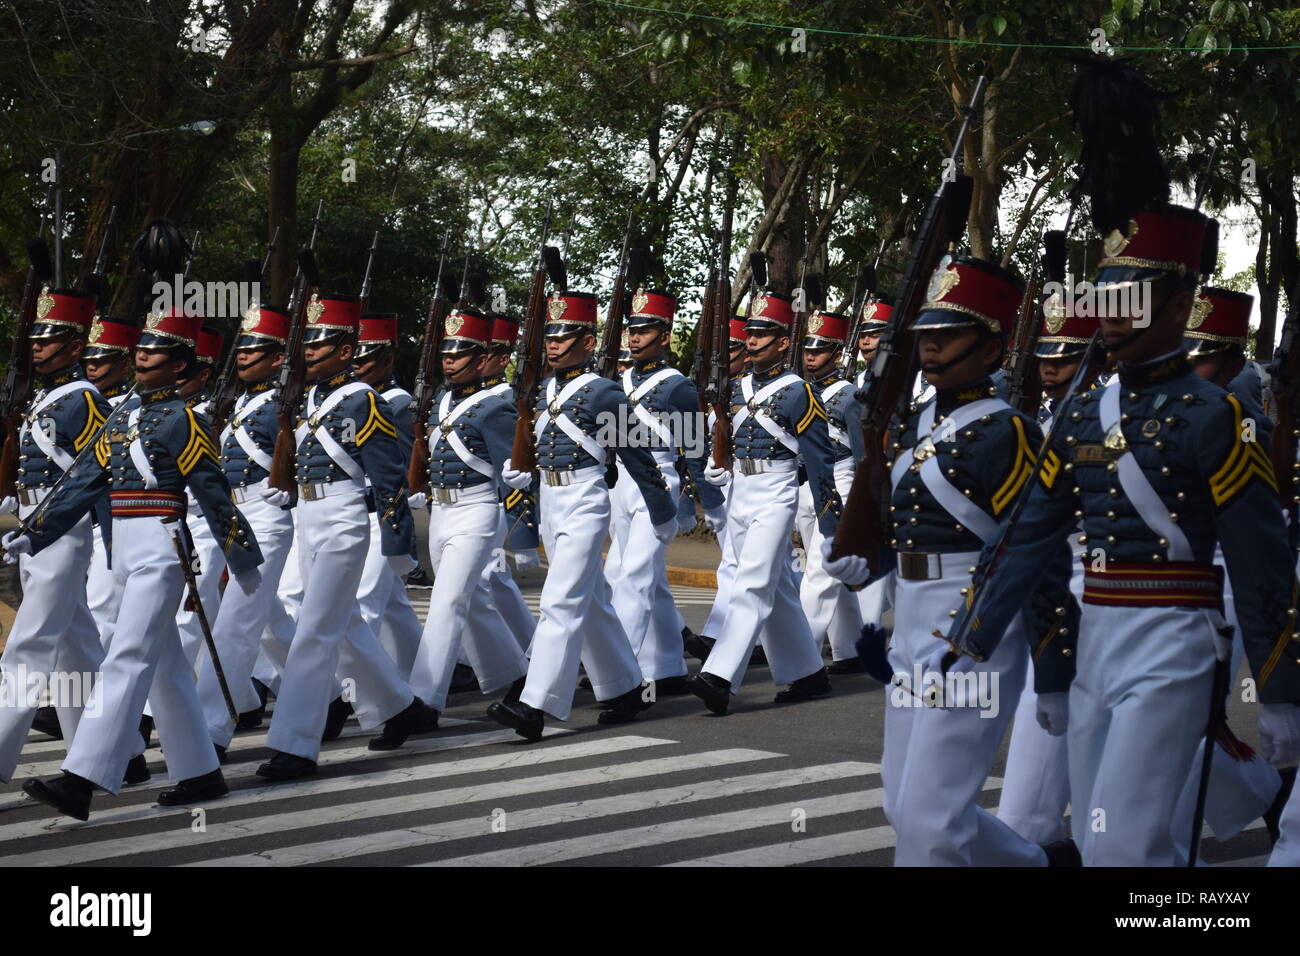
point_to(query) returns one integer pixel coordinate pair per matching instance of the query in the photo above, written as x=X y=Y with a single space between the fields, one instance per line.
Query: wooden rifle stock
x=1286 y=394
x=528 y=364
x=1024 y=391
x=721 y=379
x=435 y=329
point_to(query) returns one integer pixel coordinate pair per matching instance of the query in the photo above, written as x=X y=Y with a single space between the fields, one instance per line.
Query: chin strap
x=62 y=348
x=572 y=342
x=957 y=359
x=328 y=355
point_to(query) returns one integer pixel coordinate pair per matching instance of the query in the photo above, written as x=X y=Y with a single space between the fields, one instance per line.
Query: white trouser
x=640 y=594
x=497 y=587
x=212 y=562
x=1138 y=707
x=1238 y=791
x=577 y=621
x=1286 y=852
x=726 y=576
x=145 y=659
x=831 y=608
x=764 y=600
x=238 y=629
x=936 y=759
x=275 y=645
x=101 y=597
x=463 y=539
x=385 y=607
x=54 y=636
x=1036 y=785
x=331 y=636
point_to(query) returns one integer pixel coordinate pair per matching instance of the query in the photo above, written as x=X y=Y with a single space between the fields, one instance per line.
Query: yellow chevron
x=1022 y=466
x=1051 y=468
x=197 y=445
x=815 y=410
x=513 y=498
x=375 y=422
x=1279 y=648
x=103 y=451
x=93 y=420
x=1246 y=460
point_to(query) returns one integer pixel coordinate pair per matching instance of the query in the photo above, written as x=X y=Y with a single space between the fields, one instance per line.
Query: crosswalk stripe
x=529 y=818
x=809 y=850
x=222 y=831
x=311 y=786
x=241 y=741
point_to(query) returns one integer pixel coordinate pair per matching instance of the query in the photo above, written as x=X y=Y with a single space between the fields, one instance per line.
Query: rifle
x=618 y=308
x=811 y=287
x=1285 y=373
x=528 y=363
x=226 y=391
x=702 y=363
x=194 y=252
x=862 y=525
x=850 y=357
x=18 y=373
x=95 y=281
x=293 y=371
x=1024 y=392
x=417 y=472
x=794 y=355
x=365 y=281
x=719 y=384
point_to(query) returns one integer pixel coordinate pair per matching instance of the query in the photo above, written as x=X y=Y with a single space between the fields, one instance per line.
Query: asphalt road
x=767 y=784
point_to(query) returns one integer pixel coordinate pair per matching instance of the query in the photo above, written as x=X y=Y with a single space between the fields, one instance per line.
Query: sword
x=192 y=586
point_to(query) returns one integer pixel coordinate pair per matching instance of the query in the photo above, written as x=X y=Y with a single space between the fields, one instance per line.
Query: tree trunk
x=282 y=207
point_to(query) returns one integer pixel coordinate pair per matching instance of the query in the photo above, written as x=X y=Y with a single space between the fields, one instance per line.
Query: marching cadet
x=1036 y=783
x=247 y=447
x=53 y=634
x=874 y=321
x=573 y=406
x=107 y=360
x=959 y=463
x=470 y=432
x=699 y=645
x=519 y=511
x=778 y=423
x=659 y=395
x=1242 y=787
x=345 y=436
x=192 y=386
x=384 y=603
x=1158 y=466
x=831 y=608
x=146 y=462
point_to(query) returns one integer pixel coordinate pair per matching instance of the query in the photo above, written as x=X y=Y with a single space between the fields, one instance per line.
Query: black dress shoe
x=697 y=645
x=672 y=686
x=146 y=730
x=816 y=684
x=417 y=718
x=250 y=719
x=195 y=790
x=850 y=665
x=263 y=692
x=47 y=722
x=285 y=766
x=584 y=682
x=462 y=679
x=221 y=753
x=338 y=714
x=1062 y=853
x=69 y=794
x=524 y=720
x=759 y=657
x=515 y=690
x=136 y=771
x=713 y=690
x=624 y=707
x=1273 y=815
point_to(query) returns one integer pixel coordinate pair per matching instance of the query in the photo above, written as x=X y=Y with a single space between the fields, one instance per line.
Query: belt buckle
x=309 y=492
x=444 y=496
x=919 y=566
x=557 y=479
x=748 y=466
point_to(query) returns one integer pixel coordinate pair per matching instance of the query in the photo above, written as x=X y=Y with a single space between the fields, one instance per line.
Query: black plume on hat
x=38 y=253
x=162 y=249
x=1121 y=167
x=758 y=268
x=813 y=293
x=554 y=263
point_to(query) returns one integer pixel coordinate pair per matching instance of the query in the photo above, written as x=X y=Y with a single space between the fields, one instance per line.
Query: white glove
x=249 y=581
x=1054 y=712
x=8 y=505
x=518 y=480
x=528 y=558
x=715 y=518
x=851 y=569
x=1279 y=734
x=686 y=522
x=714 y=475
x=417 y=501
x=402 y=564
x=274 y=496
x=14 y=544
x=667 y=531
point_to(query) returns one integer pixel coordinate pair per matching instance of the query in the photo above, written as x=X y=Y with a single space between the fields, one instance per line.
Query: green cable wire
x=954 y=41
